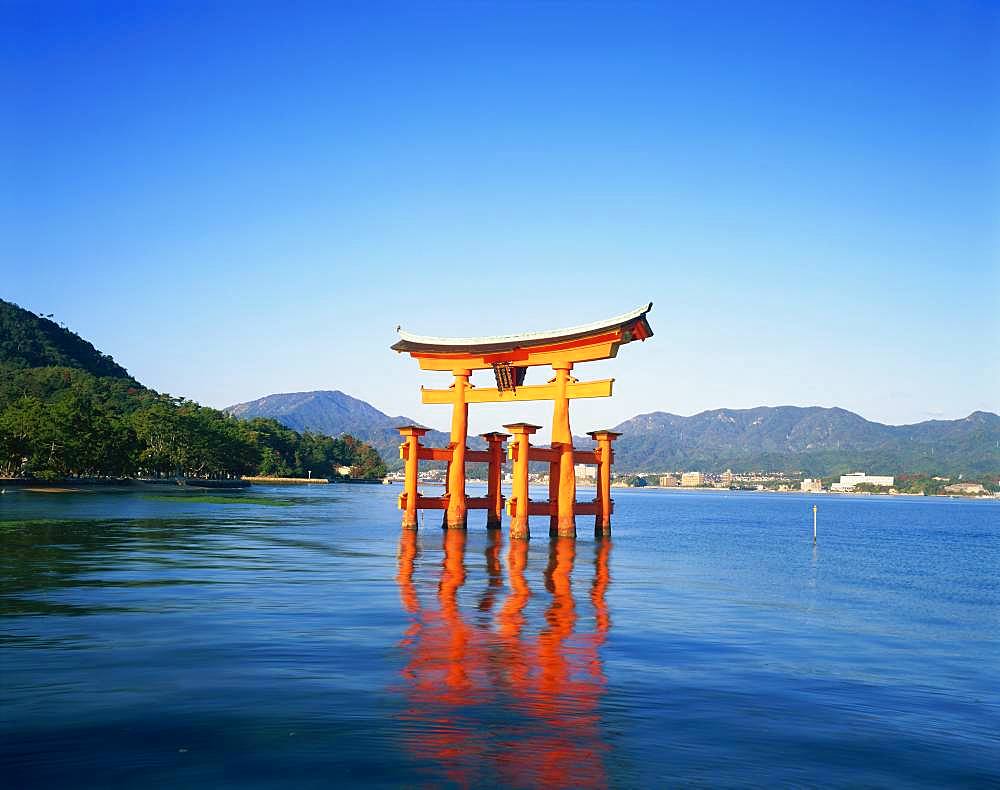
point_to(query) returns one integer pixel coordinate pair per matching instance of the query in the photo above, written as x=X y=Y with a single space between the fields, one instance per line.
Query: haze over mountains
x=815 y=440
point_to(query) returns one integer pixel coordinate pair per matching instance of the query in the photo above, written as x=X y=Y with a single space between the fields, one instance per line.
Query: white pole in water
x=310 y=474
x=814 y=523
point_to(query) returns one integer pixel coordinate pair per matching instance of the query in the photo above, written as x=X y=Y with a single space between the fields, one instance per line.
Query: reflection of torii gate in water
x=510 y=356
x=545 y=677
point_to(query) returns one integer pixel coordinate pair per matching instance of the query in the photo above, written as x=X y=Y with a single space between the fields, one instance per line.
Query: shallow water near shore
x=199 y=642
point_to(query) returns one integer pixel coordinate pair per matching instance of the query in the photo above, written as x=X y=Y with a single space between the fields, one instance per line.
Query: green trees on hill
x=287 y=453
x=66 y=409
x=59 y=421
x=34 y=341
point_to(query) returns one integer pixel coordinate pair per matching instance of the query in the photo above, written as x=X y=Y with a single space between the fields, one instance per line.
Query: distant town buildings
x=850 y=481
x=692 y=479
x=965 y=488
x=742 y=481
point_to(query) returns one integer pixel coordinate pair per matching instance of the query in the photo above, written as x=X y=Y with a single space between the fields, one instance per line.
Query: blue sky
x=236 y=199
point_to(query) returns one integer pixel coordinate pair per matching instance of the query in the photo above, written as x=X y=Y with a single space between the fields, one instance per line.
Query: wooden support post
x=518 y=504
x=554 y=492
x=564 y=520
x=447 y=477
x=602 y=521
x=456 y=516
x=494 y=497
x=409 y=451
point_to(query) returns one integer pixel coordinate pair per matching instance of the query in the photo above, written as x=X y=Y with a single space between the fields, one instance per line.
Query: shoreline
x=125 y=485
x=84 y=485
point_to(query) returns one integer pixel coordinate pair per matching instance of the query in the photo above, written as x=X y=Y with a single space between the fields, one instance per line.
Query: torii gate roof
x=632 y=326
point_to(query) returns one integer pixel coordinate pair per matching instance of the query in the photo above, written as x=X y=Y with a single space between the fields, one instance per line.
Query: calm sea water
x=167 y=642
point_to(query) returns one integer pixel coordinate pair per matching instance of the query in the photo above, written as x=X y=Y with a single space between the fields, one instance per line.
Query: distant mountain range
x=814 y=440
x=333 y=412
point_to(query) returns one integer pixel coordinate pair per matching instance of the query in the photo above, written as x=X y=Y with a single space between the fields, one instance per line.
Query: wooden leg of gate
x=517 y=505
x=602 y=522
x=456 y=514
x=561 y=434
x=554 y=495
x=494 y=497
x=444 y=513
x=409 y=451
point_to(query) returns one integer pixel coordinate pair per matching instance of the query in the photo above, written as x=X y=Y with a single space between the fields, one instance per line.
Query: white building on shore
x=848 y=482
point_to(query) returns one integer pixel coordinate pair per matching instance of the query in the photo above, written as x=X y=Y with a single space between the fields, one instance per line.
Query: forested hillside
x=34 y=341
x=68 y=410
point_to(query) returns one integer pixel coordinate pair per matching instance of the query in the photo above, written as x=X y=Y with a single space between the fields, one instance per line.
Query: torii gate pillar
x=518 y=505
x=409 y=451
x=562 y=476
x=494 y=498
x=456 y=516
x=605 y=457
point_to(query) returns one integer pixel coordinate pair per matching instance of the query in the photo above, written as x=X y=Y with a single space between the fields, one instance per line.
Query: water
x=167 y=642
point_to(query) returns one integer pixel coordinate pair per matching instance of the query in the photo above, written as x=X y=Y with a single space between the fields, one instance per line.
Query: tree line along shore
x=59 y=422
x=67 y=411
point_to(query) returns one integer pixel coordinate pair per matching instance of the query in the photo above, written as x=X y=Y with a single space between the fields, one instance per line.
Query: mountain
x=814 y=440
x=333 y=412
x=28 y=340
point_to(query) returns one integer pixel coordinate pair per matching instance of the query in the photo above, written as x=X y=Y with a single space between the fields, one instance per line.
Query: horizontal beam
x=551 y=455
x=543 y=508
x=428 y=503
x=604 y=346
x=483 y=456
x=546 y=508
x=579 y=389
x=586 y=457
x=445 y=454
x=542 y=454
x=441 y=502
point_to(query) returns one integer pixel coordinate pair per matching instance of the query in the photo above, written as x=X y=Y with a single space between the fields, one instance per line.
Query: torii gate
x=510 y=356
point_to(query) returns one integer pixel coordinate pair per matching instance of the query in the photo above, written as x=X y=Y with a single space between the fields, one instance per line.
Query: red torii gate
x=510 y=356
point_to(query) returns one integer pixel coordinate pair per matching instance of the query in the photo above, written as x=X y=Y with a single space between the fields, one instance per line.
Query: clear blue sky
x=236 y=199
